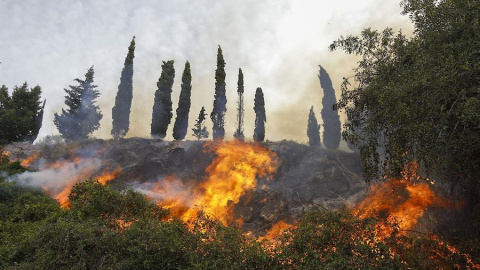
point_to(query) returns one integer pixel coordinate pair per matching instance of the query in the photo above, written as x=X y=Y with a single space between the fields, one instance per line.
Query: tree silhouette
x=220 y=102
x=123 y=100
x=260 y=117
x=240 y=111
x=82 y=116
x=331 y=120
x=200 y=131
x=313 y=129
x=181 y=121
x=162 y=106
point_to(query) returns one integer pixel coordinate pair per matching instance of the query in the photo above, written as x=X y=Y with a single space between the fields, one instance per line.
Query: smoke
x=54 y=178
x=277 y=43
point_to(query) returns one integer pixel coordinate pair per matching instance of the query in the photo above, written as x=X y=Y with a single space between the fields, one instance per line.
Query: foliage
x=336 y=240
x=181 y=122
x=220 y=101
x=123 y=100
x=260 y=116
x=82 y=116
x=331 y=120
x=200 y=131
x=110 y=229
x=418 y=98
x=162 y=106
x=313 y=129
x=21 y=114
x=240 y=110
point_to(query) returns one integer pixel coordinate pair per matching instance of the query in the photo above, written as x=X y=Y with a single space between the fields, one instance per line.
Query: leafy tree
x=162 y=106
x=331 y=120
x=123 y=100
x=220 y=102
x=418 y=98
x=260 y=116
x=313 y=129
x=82 y=116
x=200 y=131
x=240 y=111
x=181 y=122
x=21 y=114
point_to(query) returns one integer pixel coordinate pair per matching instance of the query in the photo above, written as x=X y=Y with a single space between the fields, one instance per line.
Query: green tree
x=123 y=100
x=200 y=131
x=162 y=106
x=82 y=116
x=240 y=110
x=181 y=121
x=220 y=102
x=418 y=98
x=331 y=120
x=313 y=129
x=21 y=114
x=260 y=116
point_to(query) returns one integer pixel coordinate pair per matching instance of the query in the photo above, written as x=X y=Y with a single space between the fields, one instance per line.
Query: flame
x=276 y=230
x=231 y=174
x=107 y=175
x=29 y=160
x=400 y=202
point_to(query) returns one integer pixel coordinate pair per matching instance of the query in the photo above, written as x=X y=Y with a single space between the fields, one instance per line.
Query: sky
x=277 y=43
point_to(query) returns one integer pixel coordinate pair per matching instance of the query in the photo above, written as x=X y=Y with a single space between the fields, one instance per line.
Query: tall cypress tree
x=313 y=129
x=331 y=120
x=240 y=111
x=123 y=100
x=200 y=131
x=162 y=106
x=181 y=121
x=21 y=114
x=220 y=102
x=82 y=116
x=260 y=116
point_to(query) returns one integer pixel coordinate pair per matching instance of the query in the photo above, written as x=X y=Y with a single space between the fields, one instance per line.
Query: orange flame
x=399 y=201
x=29 y=160
x=276 y=230
x=232 y=173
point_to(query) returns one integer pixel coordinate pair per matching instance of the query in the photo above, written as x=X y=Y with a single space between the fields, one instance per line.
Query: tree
x=162 y=106
x=240 y=111
x=181 y=121
x=82 y=116
x=417 y=98
x=260 y=116
x=331 y=120
x=313 y=129
x=123 y=100
x=21 y=114
x=220 y=102
x=200 y=131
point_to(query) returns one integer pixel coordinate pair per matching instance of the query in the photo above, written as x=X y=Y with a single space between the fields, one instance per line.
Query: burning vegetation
x=235 y=213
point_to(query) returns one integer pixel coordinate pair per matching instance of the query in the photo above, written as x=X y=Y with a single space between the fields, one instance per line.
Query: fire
x=232 y=173
x=29 y=160
x=400 y=202
x=276 y=230
x=107 y=175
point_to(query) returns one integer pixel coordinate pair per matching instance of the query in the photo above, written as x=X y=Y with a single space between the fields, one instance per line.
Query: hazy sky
x=277 y=43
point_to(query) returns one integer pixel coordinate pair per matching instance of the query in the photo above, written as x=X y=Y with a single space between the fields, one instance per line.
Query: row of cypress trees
x=83 y=116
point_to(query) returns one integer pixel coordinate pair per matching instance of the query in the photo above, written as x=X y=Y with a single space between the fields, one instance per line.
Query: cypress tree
x=200 y=131
x=313 y=129
x=260 y=116
x=123 y=100
x=21 y=114
x=82 y=116
x=220 y=102
x=331 y=120
x=162 y=106
x=240 y=111
x=181 y=121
